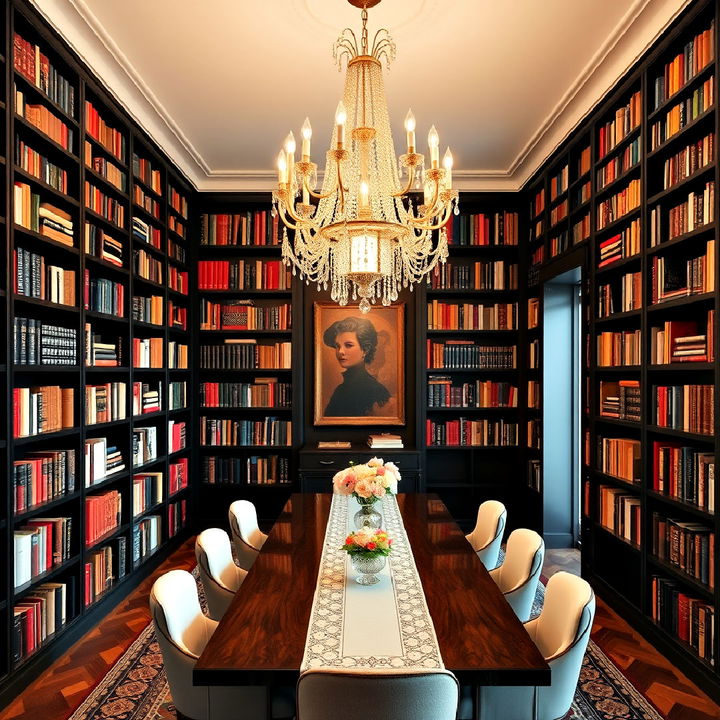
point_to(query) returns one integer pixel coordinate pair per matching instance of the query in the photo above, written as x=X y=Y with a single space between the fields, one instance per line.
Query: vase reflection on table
x=367 y=515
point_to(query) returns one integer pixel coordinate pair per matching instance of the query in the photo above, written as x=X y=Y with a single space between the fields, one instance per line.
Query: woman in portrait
x=359 y=394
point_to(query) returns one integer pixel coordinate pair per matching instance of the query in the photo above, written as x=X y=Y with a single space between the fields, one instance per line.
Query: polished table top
x=261 y=638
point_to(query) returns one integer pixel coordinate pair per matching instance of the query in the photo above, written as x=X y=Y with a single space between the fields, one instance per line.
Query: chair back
x=323 y=695
x=524 y=553
x=247 y=537
x=486 y=538
x=220 y=576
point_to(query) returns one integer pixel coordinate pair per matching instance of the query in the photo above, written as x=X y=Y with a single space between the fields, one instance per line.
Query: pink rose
x=380 y=471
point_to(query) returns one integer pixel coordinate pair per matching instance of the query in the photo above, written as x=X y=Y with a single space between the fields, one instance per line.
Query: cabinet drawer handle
x=327 y=462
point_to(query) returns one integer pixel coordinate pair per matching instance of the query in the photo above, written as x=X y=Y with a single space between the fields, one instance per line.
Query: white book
x=23 y=556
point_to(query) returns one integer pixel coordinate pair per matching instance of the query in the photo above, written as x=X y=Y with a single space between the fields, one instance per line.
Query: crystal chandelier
x=363 y=238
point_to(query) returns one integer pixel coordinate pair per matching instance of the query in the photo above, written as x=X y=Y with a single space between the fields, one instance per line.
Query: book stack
x=621 y=400
x=99 y=353
x=144 y=445
x=146 y=536
x=621 y=245
x=100 y=245
x=683 y=341
x=177 y=513
x=101 y=461
x=39 y=615
x=146 y=398
x=56 y=224
x=385 y=440
x=147 y=491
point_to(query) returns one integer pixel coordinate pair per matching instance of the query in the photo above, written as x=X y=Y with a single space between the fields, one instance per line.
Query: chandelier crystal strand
x=360 y=239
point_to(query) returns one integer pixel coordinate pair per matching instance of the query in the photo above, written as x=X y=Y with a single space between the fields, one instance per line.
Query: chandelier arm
x=318 y=196
x=305 y=222
x=437 y=226
x=283 y=217
x=411 y=179
x=431 y=211
x=341 y=189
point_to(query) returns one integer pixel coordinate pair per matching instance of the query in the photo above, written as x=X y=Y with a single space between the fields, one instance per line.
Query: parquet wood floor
x=56 y=694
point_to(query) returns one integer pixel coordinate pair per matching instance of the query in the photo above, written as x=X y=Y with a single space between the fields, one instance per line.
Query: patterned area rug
x=136 y=688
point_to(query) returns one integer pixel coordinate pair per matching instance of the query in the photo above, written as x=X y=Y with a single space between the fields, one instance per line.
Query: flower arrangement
x=370 y=481
x=368 y=542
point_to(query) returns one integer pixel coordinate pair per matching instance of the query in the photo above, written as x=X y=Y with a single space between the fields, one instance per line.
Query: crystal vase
x=367 y=567
x=367 y=515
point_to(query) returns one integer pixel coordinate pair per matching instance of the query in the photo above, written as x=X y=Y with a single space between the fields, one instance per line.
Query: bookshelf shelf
x=679 y=187
x=107 y=185
x=113 y=229
x=105 y=482
x=681 y=505
x=629 y=138
x=93 y=314
x=47 y=575
x=680 y=135
x=682 y=301
x=681 y=367
x=615 y=224
x=45 y=188
x=703 y=590
x=604 y=192
x=49 y=243
x=686 y=89
x=110 y=535
x=45 y=139
x=619 y=265
x=28 y=439
x=44 y=507
x=620 y=316
x=609 y=533
x=696 y=437
x=27 y=87
x=704 y=230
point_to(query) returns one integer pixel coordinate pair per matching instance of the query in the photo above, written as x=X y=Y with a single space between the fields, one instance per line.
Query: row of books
x=146 y=397
x=442 y=393
x=625 y=244
x=626 y=119
x=620 y=457
x=177 y=435
x=482 y=230
x=582 y=194
x=683 y=113
x=619 y=348
x=177 y=316
x=37 y=165
x=41 y=217
x=147 y=352
x=533 y=394
x=148 y=309
x=39 y=615
x=695 y=56
x=103 y=296
x=101 y=352
x=620 y=513
x=147 y=267
x=39 y=545
x=686 y=617
x=466 y=355
x=581 y=229
x=143 y=170
x=674 y=276
x=45 y=121
x=105 y=403
x=698 y=210
x=177 y=516
x=533 y=434
x=102 y=460
x=106 y=169
x=144 y=232
x=559 y=243
x=622 y=295
x=249 y=228
x=244 y=315
x=266 y=431
x=246 y=354
x=175 y=251
x=689 y=546
x=146 y=537
x=39 y=343
x=619 y=204
x=471 y=316
x=261 y=392
x=617 y=165
x=178 y=280
x=177 y=395
x=684 y=473
x=559 y=182
x=688 y=161
x=178 y=202
x=178 y=477
x=683 y=341
x=533 y=318
x=690 y=408
x=177 y=355
x=583 y=162
x=538 y=203
x=475 y=433
x=243 y=275
x=535 y=475
x=108 y=207
x=44 y=409
x=41 y=477
x=144 y=445
x=621 y=400
x=33 y=277
x=251 y=470
x=96 y=127
x=103 y=246
x=147 y=491
x=147 y=203
x=533 y=348
x=103 y=513
x=103 y=568
x=559 y=212
x=493 y=275
x=36 y=68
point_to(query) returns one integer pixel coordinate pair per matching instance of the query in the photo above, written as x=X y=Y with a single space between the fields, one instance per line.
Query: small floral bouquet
x=368 y=542
x=370 y=481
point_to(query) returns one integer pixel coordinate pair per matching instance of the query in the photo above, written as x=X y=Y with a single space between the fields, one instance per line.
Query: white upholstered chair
x=325 y=695
x=247 y=536
x=519 y=574
x=182 y=632
x=220 y=576
x=486 y=538
x=561 y=633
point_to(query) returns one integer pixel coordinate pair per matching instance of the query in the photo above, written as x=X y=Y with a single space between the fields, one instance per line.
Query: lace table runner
x=373 y=628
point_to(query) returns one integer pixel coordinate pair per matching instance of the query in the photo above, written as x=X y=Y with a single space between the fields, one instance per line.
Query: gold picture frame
x=360 y=379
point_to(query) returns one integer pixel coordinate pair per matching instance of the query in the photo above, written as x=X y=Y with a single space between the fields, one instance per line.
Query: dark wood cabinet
x=317 y=467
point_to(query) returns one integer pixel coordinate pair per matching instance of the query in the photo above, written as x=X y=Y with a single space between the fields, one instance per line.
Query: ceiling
x=219 y=83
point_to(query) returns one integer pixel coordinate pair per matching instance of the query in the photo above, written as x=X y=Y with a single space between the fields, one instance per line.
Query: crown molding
x=642 y=24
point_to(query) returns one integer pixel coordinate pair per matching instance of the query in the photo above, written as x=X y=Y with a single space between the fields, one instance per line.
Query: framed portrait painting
x=359 y=365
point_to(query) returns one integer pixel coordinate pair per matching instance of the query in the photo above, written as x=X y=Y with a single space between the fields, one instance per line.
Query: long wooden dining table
x=261 y=638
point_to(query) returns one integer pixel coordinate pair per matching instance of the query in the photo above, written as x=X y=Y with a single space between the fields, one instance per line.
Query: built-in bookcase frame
x=621 y=571
x=18 y=14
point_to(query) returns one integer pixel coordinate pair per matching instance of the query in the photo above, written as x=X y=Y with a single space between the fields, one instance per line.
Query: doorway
x=562 y=373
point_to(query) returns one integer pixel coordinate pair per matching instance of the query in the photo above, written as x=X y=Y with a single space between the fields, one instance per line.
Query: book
x=334 y=444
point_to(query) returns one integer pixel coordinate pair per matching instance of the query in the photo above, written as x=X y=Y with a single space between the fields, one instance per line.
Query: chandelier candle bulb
x=340 y=119
x=282 y=168
x=434 y=145
x=447 y=164
x=306 y=135
x=364 y=194
x=410 y=129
